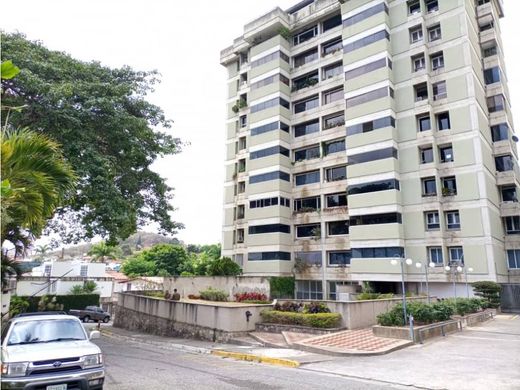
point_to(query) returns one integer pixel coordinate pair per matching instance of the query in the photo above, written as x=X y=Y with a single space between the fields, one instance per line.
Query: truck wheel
x=106 y=319
x=86 y=319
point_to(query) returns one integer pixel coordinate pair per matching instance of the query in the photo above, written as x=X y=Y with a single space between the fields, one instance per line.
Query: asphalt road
x=140 y=366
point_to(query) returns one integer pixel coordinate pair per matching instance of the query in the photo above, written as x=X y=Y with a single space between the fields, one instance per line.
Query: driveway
x=482 y=357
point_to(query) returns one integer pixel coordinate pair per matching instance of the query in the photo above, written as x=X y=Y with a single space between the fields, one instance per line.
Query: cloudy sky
x=182 y=40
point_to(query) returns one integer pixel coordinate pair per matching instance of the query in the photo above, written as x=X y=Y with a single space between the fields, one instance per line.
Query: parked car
x=91 y=313
x=50 y=351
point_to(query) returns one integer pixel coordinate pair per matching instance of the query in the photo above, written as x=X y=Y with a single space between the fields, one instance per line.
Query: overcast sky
x=182 y=40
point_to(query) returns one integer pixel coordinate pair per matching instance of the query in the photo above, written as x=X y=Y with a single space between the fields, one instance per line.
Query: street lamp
x=466 y=276
x=426 y=271
x=402 y=260
x=454 y=269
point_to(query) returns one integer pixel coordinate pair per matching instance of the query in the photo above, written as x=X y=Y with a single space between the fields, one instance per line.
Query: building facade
x=360 y=131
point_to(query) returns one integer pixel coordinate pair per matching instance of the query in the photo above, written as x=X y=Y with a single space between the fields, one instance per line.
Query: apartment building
x=362 y=131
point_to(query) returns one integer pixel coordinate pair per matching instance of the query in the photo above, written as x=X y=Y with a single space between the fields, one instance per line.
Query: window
x=359 y=17
x=426 y=155
x=414 y=7
x=307 y=204
x=490 y=51
x=435 y=255
x=456 y=254
x=47 y=270
x=495 y=103
x=266 y=202
x=307 y=178
x=310 y=230
x=500 y=132
x=242 y=165
x=421 y=92
x=343 y=258
x=239 y=236
x=432 y=5
x=512 y=225
x=308 y=80
x=449 y=186
x=434 y=33
x=335 y=146
x=271 y=228
x=374 y=186
x=306 y=128
x=332 y=22
x=306 y=105
x=332 y=70
x=369 y=96
x=310 y=258
x=269 y=104
x=270 y=80
x=373 y=155
x=432 y=220
x=452 y=220
x=276 y=175
x=437 y=61
x=269 y=58
x=486 y=26
x=439 y=90
x=336 y=173
x=424 y=123
x=269 y=127
x=241 y=187
x=337 y=228
x=446 y=153
x=443 y=121
x=509 y=194
x=305 y=35
x=504 y=163
x=333 y=95
x=416 y=34
x=368 y=40
x=492 y=75
x=269 y=152
x=375 y=219
x=334 y=120
x=239 y=259
x=513 y=258
x=332 y=46
x=241 y=143
x=376 y=124
x=259 y=256
x=83 y=271
x=418 y=63
x=307 y=153
x=309 y=289
x=241 y=211
x=336 y=200
x=305 y=58
x=429 y=187
x=368 y=253
x=243 y=121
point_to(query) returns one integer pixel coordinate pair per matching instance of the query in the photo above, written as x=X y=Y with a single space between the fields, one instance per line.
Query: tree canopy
x=102 y=252
x=106 y=128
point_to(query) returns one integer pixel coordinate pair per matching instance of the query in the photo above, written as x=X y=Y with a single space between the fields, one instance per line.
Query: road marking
x=513 y=318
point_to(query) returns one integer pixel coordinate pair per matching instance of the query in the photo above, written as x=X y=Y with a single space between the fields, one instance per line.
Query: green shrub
x=289 y=306
x=282 y=287
x=488 y=290
x=391 y=318
x=315 y=307
x=422 y=313
x=364 y=296
x=68 y=301
x=442 y=311
x=18 y=305
x=318 y=320
x=155 y=294
x=212 y=294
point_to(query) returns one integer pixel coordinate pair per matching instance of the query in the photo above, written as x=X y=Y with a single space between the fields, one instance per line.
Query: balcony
x=268 y=24
x=509 y=209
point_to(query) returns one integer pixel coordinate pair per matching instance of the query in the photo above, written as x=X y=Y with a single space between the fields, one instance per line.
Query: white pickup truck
x=44 y=351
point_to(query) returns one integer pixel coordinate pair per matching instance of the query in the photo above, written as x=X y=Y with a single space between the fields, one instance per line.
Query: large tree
x=108 y=133
x=102 y=252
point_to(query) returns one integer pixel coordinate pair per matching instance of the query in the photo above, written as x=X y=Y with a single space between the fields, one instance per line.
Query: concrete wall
x=230 y=284
x=29 y=285
x=211 y=321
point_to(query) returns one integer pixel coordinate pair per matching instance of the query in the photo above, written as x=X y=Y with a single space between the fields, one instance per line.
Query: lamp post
x=402 y=260
x=427 y=266
x=454 y=269
x=466 y=277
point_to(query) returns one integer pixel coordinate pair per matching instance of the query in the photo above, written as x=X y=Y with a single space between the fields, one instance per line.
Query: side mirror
x=95 y=335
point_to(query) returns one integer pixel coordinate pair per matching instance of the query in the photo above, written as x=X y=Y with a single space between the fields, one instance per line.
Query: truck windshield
x=45 y=331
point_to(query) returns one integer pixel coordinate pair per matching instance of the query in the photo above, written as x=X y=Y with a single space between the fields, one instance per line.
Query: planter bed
x=279 y=328
x=421 y=332
x=476 y=318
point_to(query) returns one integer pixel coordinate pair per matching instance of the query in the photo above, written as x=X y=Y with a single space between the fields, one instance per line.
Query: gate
x=510 y=298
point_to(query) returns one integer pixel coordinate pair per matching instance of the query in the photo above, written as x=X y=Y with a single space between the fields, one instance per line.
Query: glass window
x=456 y=254
x=336 y=173
x=418 y=63
x=376 y=124
x=276 y=175
x=307 y=80
x=332 y=70
x=513 y=258
x=439 y=90
x=435 y=255
x=377 y=252
x=43 y=331
x=429 y=187
x=269 y=58
x=424 y=123
x=307 y=153
x=306 y=105
x=504 y=163
x=269 y=127
x=414 y=7
x=305 y=35
x=307 y=178
x=336 y=200
x=332 y=46
x=343 y=258
x=337 y=228
x=309 y=289
x=310 y=258
x=421 y=92
x=453 y=220
x=333 y=96
x=416 y=34
x=367 y=68
x=437 y=61
x=269 y=104
x=432 y=220
x=434 y=33
x=446 y=153
x=335 y=146
x=83 y=271
x=512 y=225
x=496 y=103
x=373 y=155
x=305 y=58
x=492 y=75
x=271 y=228
x=241 y=187
x=265 y=202
x=443 y=121
x=499 y=132
x=256 y=256
x=432 y=5
x=368 y=96
x=306 y=128
x=449 y=186
x=426 y=155
x=381 y=7
x=375 y=219
x=368 y=40
x=334 y=120
x=490 y=51
x=269 y=152
x=310 y=230
x=509 y=194
x=241 y=211
x=307 y=204
x=331 y=23
x=380 y=185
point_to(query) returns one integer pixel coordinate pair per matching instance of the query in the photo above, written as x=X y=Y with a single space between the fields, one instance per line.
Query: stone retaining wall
x=279 y=328
x=421 y=332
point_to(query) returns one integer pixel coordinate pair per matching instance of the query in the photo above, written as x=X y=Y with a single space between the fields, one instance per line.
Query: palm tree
x=102 y=251
x=36 y=180
x=42 y=250
x=10 y=267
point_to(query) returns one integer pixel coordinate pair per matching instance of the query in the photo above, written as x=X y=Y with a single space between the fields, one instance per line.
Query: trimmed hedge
x=213 y=294
x=318 y=320
x=68 y=301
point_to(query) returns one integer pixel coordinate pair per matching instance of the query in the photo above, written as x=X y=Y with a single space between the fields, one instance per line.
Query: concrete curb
x=256 y=358
x=323 y=350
